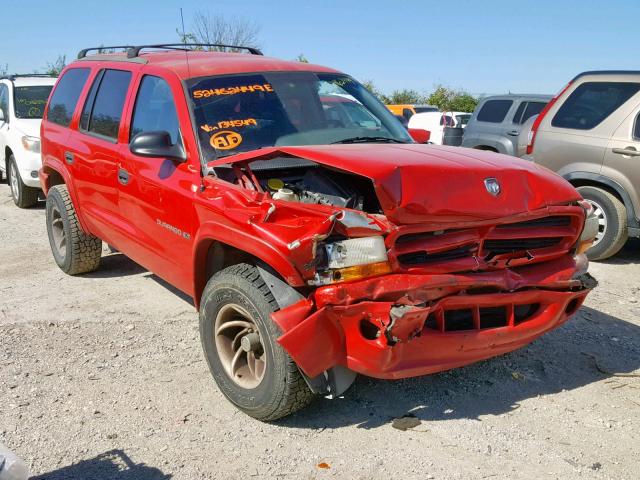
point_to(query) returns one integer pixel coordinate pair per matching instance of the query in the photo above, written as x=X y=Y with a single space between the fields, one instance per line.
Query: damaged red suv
x=317 y=239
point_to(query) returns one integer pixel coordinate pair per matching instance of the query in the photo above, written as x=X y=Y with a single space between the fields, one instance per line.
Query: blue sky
x=481 y=46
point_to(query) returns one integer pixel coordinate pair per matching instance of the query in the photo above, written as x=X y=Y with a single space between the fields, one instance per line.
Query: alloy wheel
x=239 y=346
x=57 y=233
x=598 y=211
x=13 y=181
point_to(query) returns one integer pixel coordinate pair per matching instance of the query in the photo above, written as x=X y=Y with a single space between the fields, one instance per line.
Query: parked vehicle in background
x=317 y=244
x=437 y=122
x=590 y=134
x=496 y=122
x=407 y=111
x=22 y=102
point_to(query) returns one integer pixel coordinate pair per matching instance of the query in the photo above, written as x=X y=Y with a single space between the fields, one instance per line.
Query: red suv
x=316 y=238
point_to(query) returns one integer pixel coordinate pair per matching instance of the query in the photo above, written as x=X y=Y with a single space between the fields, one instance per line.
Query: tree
x=448 y=99
x=208 y=28
x=369 y=85
x=405 y=96
x=56 y=67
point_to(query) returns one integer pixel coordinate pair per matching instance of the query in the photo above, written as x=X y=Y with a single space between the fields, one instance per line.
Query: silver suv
x=496 y=121
x=590 y=134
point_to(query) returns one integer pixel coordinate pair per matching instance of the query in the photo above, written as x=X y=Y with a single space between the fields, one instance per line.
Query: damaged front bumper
x=404 y=325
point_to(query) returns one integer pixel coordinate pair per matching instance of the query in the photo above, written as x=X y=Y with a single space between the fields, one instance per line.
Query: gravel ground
x=102 y=377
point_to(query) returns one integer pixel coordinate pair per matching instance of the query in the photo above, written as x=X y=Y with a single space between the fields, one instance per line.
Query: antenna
x=184 y=40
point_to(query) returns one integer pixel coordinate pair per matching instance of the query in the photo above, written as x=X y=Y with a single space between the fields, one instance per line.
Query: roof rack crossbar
x=22 y=75
x=83 y=53
x=135 y=51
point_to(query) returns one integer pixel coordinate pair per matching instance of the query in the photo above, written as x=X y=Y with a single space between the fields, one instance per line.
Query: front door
x=156 y=194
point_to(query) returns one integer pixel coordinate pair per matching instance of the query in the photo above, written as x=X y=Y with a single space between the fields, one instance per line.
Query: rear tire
x=612 y=216
x=74 y=251
x=251 y=369
x=23 y=196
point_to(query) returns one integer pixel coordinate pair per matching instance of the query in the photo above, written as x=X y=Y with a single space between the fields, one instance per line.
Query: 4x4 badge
x=492 y=185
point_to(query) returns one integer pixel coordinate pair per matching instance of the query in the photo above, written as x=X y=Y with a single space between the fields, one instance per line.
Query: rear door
x=95 y=153
x=490 y=123
x=157 y=194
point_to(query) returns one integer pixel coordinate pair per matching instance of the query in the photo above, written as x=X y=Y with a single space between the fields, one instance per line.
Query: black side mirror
x=157 y=144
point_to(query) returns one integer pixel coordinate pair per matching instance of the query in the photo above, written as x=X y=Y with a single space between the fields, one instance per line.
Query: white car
x=436 y=121
x=22 y=102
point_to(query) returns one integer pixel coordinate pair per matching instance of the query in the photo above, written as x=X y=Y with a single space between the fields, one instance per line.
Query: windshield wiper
x=369 y=140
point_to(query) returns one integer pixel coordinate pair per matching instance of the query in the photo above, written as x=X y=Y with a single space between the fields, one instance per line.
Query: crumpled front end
x=404 y=325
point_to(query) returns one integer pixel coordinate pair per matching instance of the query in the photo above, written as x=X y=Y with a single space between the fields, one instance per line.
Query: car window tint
x=636 y=128
x=494 y=111
x=533 y=108
x=155 y=109
x=65 y=96
x=518 y=115
x=104 y=106
x=591 y=103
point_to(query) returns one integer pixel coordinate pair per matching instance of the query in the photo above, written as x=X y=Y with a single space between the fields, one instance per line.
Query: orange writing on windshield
x=222 y=124
x=213 y=92
x=225 y=140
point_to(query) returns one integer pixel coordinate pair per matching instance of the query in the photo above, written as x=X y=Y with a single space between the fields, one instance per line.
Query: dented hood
x=428 y=183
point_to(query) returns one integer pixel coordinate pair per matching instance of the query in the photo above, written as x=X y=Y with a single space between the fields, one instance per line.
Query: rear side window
x=517 y=118
x=591 y=103
x=155 y=109
x=103 y=110
x=636 y=128
x=494 y=111
x=533 y=108
x=65 y=96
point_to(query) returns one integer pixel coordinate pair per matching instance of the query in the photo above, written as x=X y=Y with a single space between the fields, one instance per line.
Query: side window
x=155 y=109
x=533 y=108
x=591 y=103
x=4 y=101
x=65 y=96
x=103 y=110
x=517 y=118
x=407 y=113
x=636 y=128
x=494 y=111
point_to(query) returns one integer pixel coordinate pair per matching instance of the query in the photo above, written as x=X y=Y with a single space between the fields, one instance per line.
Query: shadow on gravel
x=111 y=465
x=630 y=253
x=116 y=265
x=577 y=354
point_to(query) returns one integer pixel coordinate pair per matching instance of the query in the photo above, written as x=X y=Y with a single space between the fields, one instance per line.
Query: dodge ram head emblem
x=492 y=186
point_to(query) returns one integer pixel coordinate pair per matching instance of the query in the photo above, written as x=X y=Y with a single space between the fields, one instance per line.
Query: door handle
x=629 y=151
x=513 y=133
x=123 y=176
x=68 y=157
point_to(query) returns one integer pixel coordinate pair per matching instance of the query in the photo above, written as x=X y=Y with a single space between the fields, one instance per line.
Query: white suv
x=22 y=102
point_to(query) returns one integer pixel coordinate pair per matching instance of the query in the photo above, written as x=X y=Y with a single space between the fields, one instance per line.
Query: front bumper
x=405 y=325
x=29 y=163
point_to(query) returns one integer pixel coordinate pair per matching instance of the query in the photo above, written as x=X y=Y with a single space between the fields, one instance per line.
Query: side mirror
x=157 y=144
x=420 y=135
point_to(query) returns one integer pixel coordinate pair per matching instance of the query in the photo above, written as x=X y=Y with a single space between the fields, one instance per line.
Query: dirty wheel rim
x=598 y=211
x=13 y=180
x=239 y=346
x=58 y=236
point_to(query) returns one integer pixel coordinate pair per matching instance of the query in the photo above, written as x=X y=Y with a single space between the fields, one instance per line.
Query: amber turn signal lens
x=360 y=271
x=584 y=246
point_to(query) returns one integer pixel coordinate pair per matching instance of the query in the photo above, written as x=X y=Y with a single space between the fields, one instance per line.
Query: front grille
x=480 y=318
x=489 y=246
x=497 y=247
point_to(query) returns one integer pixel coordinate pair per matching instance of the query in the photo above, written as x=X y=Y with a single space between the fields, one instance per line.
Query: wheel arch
x=588 y=179
x=213 y=255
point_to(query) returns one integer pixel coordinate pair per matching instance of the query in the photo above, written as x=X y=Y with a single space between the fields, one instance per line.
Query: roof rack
x=83 y=53
x=13 y=76
x=135 y=51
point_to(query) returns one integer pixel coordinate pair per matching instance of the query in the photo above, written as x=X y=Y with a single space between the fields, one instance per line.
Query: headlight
x=351 y=259
x=31 y=143
x=590 y=230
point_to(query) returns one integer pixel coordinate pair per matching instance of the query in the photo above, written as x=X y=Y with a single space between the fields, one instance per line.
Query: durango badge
x=492 y=185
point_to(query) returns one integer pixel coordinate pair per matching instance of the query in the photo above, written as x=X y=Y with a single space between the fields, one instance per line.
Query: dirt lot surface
x=102 y=377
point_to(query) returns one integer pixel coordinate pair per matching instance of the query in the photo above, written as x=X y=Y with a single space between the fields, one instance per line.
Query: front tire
x=612 y=218
x=239 y=341
x=74 y=251
x=23 y=196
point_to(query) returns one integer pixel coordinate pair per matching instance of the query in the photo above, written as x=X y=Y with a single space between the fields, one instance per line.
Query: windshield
x=239 y=113
x=30 y=101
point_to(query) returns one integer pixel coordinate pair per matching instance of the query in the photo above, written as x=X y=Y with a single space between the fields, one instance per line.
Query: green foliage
x=405 y=96
x=448 y=99
x=369 y=85
x=54 y=68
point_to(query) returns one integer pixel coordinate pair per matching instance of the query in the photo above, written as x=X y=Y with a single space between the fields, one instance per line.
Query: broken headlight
x=590 y=229
x=351 y=259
